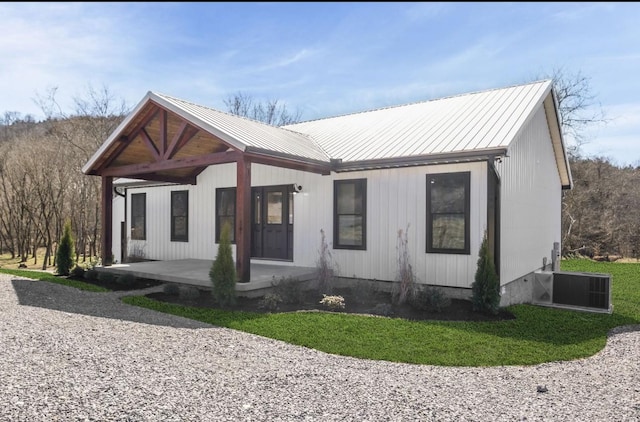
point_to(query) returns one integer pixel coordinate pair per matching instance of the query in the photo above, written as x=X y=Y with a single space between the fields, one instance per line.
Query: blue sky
x=323 y=59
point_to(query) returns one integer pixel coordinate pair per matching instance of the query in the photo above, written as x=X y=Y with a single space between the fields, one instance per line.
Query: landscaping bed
x=356 y=301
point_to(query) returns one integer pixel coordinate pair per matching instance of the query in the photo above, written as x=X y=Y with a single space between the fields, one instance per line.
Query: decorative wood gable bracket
x=163 y=151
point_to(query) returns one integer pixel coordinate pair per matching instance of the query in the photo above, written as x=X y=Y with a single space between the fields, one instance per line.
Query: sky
x=324 y=59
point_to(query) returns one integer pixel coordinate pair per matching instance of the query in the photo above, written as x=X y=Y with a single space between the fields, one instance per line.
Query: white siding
x=396 y=199
x=201 y=244
x=531 y=197
x=117 y=217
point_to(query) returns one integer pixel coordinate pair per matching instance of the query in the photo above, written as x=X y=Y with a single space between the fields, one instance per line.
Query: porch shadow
x=195 y=272
x=42 y=294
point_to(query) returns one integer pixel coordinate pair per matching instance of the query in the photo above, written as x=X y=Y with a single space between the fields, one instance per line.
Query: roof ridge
x=424 y=101
x=210 y=108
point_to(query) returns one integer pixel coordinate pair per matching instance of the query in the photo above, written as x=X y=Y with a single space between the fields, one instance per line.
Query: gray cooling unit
x=581 y=291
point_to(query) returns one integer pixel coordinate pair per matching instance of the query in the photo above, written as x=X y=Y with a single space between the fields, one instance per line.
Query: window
x=138 y=216
x=226 y=211
x=180 y=216
x=350 y=214
x=448 y=213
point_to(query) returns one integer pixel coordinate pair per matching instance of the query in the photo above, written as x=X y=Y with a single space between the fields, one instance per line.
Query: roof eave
x=420 y=160
x=559 y=149
x=288 y=160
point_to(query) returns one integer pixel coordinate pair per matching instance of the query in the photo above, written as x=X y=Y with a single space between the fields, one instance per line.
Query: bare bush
x=325 y=267
x=136 y=252
x=405 y=285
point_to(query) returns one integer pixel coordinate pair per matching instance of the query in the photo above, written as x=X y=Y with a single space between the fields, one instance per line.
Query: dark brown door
x=272 y=228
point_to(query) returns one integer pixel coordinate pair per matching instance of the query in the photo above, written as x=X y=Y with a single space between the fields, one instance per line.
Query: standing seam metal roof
x=250 y=133
x=479 y=121
x=463 y=123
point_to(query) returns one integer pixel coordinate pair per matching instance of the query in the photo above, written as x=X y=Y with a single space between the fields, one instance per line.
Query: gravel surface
x=69 y=355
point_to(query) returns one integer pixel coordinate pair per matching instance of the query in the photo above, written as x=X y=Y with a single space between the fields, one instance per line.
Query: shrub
x=77 y=272
x=64 y=255
x=171 y=289
x=404 y=287
x=383 y=309
x=324 y=267
x=188 y=292
x=270 y=302
x=91 y=274
x=430 y=299
x=486 y=285
x=105 y=277
x=333 y=303
x=136 y=252
x=288 y=289
x=223 y=271
x=126 y=280
x=365 y=292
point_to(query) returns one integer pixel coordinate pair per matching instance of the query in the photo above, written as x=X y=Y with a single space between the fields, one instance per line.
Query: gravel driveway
x=69 y=355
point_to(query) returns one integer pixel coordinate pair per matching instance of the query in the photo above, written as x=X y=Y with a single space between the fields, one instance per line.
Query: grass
x=6 y=262
x=47 y=276
x=537 y=334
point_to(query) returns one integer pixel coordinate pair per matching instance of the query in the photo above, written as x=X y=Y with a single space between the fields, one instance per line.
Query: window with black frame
x=180 y=216
x=448 y=209
x=138 y=216
x=350 y=214
x=226 y=211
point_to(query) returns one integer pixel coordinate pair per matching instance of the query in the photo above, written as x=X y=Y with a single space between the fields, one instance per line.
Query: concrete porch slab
x=195 y=272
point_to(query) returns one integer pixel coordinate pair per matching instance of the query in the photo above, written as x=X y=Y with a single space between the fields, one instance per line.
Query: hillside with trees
x=41 y=180
x=600 y=215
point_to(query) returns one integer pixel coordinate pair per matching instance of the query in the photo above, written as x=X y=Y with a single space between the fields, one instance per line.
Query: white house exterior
x=445 y=171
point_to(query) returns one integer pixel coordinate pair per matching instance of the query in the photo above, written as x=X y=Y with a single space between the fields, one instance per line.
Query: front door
x=272 y=222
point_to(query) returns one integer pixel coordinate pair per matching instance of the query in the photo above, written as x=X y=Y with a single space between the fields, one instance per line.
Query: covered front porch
x=195 y=272
x=170 y=141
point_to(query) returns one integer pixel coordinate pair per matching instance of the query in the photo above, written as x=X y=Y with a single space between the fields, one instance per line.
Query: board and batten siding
x=396 y=200
x=117 y=216
x=531 y=201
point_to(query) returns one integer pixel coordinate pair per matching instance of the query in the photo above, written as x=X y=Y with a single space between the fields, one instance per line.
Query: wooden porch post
x=243 y=219
x=107 y=220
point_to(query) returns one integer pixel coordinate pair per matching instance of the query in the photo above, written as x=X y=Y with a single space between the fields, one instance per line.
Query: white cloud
x=65 y=45
x=286 y=61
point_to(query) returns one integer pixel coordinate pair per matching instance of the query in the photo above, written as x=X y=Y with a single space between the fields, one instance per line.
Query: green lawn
x=537 y=334
x=47 y=276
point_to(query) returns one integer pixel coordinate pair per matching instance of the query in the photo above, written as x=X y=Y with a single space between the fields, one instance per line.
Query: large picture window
x=138 y=216
x=350 y=214
x=180 y=216
x=226 y=211
x=448 y=207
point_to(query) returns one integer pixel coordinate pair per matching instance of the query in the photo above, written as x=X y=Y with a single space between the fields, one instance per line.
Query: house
x=444 y=170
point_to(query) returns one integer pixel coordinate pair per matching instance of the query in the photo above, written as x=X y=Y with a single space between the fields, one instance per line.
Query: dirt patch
x=289 y=298
x=377 y=303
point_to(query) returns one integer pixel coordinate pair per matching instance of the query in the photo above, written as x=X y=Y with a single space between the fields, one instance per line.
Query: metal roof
x=239 y=132
x=244 y=133
x=467 y=125
x=471 y=122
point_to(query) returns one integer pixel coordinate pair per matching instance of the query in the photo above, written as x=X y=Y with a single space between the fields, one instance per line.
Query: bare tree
x=13 y=124
x=97 y=113
x=578 y=107
x=271 y=112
